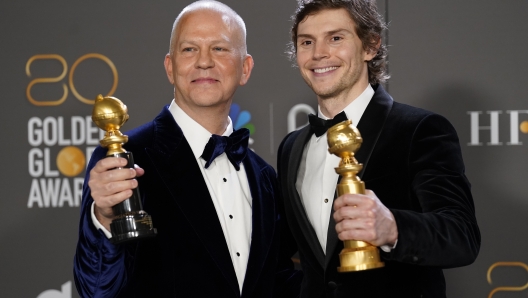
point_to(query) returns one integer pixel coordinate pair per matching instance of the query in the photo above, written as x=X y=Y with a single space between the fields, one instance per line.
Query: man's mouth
x=204 y=80
x=324 y=70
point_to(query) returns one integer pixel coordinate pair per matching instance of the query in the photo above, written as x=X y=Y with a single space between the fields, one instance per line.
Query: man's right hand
x=110 y=186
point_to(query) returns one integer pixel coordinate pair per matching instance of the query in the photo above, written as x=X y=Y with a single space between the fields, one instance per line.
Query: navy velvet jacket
x=189 y=257
x=412 y=161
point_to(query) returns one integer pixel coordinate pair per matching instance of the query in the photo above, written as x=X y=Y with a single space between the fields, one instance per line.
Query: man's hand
x=364 y=218
x=110 y=186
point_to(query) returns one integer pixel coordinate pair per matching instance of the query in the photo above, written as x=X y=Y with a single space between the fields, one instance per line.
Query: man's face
x=330 y=55
x=208 y=62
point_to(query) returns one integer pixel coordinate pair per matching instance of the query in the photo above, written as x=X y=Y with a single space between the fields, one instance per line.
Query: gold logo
x=71 y=161
x=524 y=127
x=506 y=289
x=50 y=80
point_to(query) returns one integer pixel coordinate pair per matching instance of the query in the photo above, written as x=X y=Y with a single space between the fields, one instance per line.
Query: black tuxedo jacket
x=189 y=257
x=412 y=161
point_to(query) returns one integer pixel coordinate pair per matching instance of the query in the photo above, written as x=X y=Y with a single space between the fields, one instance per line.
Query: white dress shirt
x=229 y=190
x=317 y=179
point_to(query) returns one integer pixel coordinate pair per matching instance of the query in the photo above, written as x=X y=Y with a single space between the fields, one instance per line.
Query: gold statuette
x=131 y=222
x=344 y=140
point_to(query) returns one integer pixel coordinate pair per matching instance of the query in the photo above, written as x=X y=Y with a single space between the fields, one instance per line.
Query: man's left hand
x=365 y=218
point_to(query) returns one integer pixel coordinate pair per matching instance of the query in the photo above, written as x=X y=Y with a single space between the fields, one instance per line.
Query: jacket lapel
x=370 y=127
x=177 y=168
x=298 y=208
x=263 y=223
x=371 y=124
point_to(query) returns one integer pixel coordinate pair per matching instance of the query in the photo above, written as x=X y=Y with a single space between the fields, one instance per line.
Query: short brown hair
x=369 y=26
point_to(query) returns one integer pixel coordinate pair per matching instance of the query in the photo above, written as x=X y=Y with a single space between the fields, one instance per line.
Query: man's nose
x=205 y=60
x=320 y=51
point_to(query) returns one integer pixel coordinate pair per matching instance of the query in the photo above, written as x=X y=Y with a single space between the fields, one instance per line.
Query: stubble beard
x=341 y=87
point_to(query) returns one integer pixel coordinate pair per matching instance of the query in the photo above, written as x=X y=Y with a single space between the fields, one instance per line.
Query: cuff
x=388 y=248
x=99 y=226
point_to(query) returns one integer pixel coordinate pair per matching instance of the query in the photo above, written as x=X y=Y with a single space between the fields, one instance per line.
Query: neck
x=334 y=104
x=214 y=119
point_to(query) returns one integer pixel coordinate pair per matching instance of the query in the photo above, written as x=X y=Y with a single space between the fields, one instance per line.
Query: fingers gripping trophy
x=344 y=140
x=131 y=222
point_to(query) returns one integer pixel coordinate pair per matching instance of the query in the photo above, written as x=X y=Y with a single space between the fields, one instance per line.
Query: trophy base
x=361 y=267
x=359 y=259
x=132 y=227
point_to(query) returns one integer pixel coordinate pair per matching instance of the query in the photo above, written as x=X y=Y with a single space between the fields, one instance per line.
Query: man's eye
x=306 y=43
x=187 y=49
x=336 y=38
x=218 y=49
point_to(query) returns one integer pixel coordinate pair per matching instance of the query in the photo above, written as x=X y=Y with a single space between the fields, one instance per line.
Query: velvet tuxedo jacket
x=412 y=161
x=189 y=256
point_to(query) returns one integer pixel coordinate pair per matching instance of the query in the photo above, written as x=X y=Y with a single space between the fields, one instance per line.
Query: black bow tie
x=234 y=146
x=320 y=126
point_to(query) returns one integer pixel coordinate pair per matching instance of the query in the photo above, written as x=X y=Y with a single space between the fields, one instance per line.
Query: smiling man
x=418 y=206
x=217 y=218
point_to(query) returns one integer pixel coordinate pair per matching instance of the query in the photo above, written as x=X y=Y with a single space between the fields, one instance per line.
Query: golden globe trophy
x=344 y=140
x=131 y=222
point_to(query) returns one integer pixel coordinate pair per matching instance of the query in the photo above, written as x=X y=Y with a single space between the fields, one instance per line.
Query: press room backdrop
x=463 y=59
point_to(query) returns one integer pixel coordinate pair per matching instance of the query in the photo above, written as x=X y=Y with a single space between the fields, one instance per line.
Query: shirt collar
x=356 y=108
x=195 y=134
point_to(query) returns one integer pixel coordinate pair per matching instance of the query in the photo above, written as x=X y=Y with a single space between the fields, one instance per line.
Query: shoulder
x=145 y=135
x=418 y=118
x=142 y=134
x=411 y=113
x=289 y=140
x=138 y=137
x=259 y=163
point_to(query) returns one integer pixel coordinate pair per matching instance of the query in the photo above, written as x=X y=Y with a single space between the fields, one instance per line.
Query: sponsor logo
x=241 y=120
x=301 y=108
x=65 y=292
x=516 y=125
x=60 y=146
x=508 y=274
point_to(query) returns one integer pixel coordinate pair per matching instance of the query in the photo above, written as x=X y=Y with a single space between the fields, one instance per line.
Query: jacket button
x=415 y=259
x=332 y=285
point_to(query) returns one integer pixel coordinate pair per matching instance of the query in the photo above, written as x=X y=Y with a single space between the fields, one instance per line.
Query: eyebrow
x=214 y=41
x=326 y=33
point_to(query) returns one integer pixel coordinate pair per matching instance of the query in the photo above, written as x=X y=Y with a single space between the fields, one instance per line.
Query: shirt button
x=332 y=285
x=238 y=254
x=230 y=216
x=225 y=180
x=326 y=200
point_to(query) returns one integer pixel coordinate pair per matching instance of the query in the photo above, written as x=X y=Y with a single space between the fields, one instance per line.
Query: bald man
x=217 y=218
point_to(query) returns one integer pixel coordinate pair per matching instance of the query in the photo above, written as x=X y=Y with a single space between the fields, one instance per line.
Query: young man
x=418 y=206
x=217 y=219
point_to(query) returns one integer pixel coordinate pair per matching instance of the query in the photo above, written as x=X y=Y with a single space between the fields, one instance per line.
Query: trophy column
x=344 y=140
x=131 y=222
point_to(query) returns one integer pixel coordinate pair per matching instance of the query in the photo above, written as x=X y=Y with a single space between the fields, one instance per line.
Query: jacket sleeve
x=99 y=266
x=442 y=231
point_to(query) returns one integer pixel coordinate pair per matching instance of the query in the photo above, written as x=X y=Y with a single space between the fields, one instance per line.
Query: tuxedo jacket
x=412 y=161
x=189 y=256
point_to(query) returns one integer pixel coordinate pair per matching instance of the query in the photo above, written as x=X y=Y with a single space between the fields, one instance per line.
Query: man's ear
x=247 y=67
x=168 y=68
x=370 y=53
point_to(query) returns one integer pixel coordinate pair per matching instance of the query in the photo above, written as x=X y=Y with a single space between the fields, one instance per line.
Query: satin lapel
x=371 y=124
x=263 y=223
x=177 y=167
x=370 y=127
x=298 y=208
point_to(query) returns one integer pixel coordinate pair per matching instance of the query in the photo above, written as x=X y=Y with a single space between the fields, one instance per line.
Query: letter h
x=493 y=128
